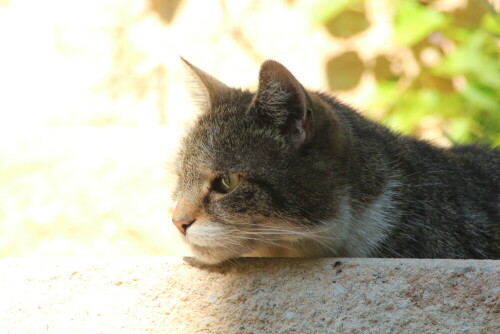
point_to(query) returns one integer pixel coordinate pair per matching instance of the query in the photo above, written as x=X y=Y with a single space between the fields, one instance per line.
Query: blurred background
x=93 y=97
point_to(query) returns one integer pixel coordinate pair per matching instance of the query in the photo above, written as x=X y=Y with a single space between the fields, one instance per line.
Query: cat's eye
x=226 y=183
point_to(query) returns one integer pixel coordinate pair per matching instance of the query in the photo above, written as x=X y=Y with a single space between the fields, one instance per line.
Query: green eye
x=228 y=183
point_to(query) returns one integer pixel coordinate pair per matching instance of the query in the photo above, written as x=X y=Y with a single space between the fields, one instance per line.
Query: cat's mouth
x=213 y=243
x=210 y=251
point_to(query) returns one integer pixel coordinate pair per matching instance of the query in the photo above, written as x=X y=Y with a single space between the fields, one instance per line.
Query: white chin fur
x=212 y=255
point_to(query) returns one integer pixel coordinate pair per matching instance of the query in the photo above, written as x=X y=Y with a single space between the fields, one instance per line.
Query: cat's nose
x=184 y=214
x=183 y=225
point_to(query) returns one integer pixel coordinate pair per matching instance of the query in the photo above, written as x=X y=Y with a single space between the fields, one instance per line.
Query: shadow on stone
x=344 y=71
x=166 y=10
x=349 y=22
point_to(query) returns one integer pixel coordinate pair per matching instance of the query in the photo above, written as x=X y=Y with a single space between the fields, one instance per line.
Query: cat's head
x=251 y=173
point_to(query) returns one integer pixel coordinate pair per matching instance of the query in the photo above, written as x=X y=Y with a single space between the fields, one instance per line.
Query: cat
x=286 y=171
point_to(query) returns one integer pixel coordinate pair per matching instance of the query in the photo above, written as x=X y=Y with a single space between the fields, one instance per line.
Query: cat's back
x=485 y=162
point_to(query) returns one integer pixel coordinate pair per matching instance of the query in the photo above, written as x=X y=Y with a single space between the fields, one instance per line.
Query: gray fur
x=319 y=179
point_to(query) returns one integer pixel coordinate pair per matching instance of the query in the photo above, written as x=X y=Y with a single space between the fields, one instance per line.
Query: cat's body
x=290 y=172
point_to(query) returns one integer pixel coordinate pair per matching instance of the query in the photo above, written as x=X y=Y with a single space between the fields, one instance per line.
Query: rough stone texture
x=173 y=295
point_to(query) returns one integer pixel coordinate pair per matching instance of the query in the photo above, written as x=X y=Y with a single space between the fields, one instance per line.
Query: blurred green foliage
x=459 y=88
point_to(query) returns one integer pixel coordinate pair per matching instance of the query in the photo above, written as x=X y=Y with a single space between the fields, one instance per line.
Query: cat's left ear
x=282 y=98
x=207 y=90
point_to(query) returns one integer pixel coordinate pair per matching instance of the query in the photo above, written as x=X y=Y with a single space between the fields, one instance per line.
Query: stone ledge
x=174 y=295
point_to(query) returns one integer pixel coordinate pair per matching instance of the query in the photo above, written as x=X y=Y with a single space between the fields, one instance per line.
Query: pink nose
x=182 y=225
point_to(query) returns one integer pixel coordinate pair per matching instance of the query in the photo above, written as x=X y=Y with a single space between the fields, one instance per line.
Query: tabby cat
x=286 y=171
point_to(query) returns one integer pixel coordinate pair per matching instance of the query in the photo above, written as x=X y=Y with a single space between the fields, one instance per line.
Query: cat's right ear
x=282 y=99
x=206 y=90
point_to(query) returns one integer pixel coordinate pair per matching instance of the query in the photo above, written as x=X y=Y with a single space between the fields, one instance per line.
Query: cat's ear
x=206 y=90
x=282 y=98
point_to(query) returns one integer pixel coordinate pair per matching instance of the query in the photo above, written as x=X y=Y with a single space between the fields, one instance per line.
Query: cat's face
x=241 y=174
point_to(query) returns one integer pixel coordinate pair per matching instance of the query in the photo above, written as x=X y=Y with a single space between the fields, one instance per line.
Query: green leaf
x=491 y=23
x=321 y=11
x=488 y=6
x=477 y=58
x=414 y=22
x=481 y=98
x=385 y=96
x=460 y=130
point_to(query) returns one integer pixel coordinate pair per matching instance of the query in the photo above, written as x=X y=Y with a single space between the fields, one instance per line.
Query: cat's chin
x=212 y=255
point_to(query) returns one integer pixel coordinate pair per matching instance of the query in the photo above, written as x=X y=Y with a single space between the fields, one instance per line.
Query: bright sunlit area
x=93 y=97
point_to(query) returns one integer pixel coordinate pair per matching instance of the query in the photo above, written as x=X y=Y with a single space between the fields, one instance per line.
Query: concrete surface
x=174 y=295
